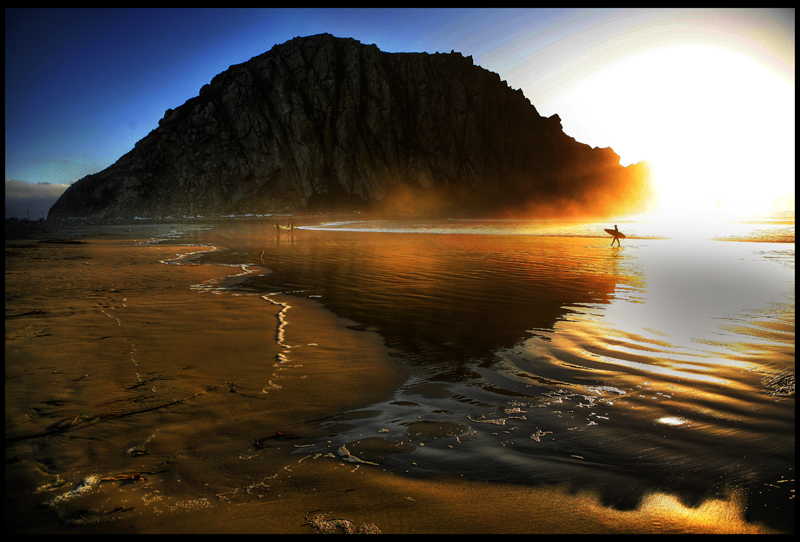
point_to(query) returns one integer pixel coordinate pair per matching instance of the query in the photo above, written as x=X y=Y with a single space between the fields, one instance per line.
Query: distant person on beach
x=616 y=237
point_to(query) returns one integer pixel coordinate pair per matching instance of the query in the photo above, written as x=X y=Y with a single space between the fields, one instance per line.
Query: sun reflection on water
x=672 y=420
x=630 y=358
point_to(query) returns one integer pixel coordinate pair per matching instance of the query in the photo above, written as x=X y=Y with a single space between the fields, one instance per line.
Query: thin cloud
x=31 y=199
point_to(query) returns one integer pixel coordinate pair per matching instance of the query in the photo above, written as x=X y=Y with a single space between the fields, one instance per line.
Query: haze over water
x=544 y=355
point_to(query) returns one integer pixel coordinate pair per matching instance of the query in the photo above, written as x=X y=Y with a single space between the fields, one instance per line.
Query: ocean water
x=543 y=355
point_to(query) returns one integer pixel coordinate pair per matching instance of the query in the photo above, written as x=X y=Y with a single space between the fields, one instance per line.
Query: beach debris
x=136 y=452
x=780 y=384
x=191 y=504
x=345 y=454
x=224 y=496
x=482 y=419
x=51 y=486
x=75 y=419
x=257 y=485
x=600 y=390
x=537 y=436
x=85 y=485
x=334 y=525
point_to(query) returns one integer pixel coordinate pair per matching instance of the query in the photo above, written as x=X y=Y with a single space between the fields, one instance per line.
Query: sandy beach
x=137 y=401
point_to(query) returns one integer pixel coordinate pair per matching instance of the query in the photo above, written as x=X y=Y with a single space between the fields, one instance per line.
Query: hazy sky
x=707 y=95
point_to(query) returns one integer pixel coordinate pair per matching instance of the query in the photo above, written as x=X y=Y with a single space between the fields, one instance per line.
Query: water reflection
x=629 y=369
x=457 y=297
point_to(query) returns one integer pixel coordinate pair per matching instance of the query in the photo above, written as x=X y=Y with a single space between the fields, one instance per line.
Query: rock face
x=323 y=122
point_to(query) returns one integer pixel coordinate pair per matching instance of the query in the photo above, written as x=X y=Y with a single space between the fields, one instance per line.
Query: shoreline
x=75 y=228
x=107 y=344
x=194 y=381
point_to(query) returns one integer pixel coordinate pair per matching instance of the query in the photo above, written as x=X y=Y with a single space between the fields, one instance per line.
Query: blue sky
x=83 y=86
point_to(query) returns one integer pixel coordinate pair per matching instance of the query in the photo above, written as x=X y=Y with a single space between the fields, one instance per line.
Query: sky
x=706 y=95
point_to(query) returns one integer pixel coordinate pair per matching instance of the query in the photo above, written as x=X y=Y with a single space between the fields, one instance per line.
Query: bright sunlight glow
x=717 y=126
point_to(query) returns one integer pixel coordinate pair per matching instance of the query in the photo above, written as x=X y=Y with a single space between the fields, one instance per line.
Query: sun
x=717 y=126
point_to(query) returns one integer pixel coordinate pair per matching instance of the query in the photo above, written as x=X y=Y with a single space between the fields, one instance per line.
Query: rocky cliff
x=322 y=122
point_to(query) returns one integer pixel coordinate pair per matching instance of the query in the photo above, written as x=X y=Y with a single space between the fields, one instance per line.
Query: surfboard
x=615 y=233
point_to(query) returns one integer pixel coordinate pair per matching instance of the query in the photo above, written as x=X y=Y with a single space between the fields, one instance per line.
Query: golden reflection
x=688 y=303
x=672 y=420
x=604 y=340
x=713 y=516
x=665 y=371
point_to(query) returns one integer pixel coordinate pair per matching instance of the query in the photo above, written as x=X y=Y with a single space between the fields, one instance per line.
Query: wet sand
x=117 y=367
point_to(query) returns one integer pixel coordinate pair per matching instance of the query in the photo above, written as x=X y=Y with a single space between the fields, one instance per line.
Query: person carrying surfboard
x=616 y=234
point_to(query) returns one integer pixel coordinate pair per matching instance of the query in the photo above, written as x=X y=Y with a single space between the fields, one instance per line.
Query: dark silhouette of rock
x=322 y=122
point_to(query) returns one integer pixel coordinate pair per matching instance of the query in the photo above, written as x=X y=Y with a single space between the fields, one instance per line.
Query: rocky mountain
x=322 y=122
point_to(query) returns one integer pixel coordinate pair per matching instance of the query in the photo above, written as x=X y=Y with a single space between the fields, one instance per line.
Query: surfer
x=616 y=235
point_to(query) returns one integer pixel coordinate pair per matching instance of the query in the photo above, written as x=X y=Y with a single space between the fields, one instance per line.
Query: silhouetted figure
x=616 y=236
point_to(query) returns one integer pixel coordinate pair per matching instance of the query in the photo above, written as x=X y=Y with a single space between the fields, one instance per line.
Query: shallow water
x=544 y=355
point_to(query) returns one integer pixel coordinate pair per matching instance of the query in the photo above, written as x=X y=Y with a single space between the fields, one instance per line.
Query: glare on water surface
x=556 y=357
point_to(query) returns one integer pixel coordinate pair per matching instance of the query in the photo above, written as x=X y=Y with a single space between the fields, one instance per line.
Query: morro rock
x=324 y=122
